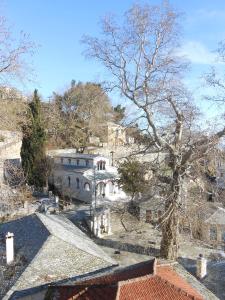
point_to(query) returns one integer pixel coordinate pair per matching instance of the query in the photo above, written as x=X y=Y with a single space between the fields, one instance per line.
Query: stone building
x=114 y=134
x=213 y=229
x=10 y=146
x=86 y=177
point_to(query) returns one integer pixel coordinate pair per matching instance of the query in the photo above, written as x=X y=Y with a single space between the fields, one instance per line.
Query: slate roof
x=218 y=217
x=54 y=249
x=76 y=155
x=214 y=280
x=142 y=281
x=101 y=175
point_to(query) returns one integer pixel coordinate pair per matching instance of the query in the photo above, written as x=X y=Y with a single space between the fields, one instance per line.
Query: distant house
x=114 y=134
x=143 y=281
x=48 y=249
x=86 y=177
x=151 y=210
x=213 y=229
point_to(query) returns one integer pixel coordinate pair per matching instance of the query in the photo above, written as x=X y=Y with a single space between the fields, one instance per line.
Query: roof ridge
x=81 y=238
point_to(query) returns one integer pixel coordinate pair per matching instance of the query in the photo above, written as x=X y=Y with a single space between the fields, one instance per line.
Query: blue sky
x=58 y=25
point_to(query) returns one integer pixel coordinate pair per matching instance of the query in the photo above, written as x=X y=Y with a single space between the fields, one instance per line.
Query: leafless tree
x=140 y=54
x=13 y=189
x=13 y=64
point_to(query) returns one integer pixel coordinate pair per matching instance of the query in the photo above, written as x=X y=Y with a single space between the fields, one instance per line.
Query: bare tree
x=140 y=55
x=13 y=53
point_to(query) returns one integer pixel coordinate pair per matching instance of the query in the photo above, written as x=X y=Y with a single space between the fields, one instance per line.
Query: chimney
x=201 y=267
x=9 y=248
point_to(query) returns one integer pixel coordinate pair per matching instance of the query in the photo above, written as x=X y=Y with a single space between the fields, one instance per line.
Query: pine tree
x=33 y=145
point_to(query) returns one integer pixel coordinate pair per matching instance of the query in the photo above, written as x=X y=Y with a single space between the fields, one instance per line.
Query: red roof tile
x=167 y=272
x=143 y=281
x=151 y=287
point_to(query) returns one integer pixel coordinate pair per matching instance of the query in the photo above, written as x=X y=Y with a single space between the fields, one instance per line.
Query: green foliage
x=132 y=176
x=119 y=113
x=33 y=145
x=76 y=115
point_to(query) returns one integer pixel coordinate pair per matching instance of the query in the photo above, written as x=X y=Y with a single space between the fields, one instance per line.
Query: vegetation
x=76 y=115
x=140 y=55
x=132 y=177
x=33 y=145
x=119 y=113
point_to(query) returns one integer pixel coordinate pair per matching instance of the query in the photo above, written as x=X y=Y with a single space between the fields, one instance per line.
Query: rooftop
x=54 y=249
x=77 y=155
x=218 y=217
x=145 y=280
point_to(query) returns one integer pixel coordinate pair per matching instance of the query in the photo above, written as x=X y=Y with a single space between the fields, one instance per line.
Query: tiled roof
x=143 y=281
x=152 y=287
x=167 y=273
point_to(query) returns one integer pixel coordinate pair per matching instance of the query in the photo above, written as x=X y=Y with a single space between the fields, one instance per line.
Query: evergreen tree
x=33 y=145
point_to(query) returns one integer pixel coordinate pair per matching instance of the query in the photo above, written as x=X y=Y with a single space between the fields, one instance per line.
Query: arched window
x=87 y=186
x=111 y=187
x=69 y=180
x=78 y=183
x=101 y=165
x=100 y=189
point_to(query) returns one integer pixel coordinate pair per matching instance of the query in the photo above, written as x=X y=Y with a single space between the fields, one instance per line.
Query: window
x=69 y=161
x=159 y=213
x=69 y=180
x=101 y=189
x=111 y=187
x=221 y=174
x=213 y=233
x=61 y=160
x=87 y=162
x=101 y=165
x=223 y=236
x=87 y=186
x=148 y=216
x=78 y=183
x=78 y=162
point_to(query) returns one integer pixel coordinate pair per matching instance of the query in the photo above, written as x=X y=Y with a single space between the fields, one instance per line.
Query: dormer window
x=101 y=165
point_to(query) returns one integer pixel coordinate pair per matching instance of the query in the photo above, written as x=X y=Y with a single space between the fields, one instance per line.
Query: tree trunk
x=170 y=237
x=170 y=227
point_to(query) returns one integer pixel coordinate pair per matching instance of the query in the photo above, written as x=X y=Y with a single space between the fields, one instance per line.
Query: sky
x=57 y=27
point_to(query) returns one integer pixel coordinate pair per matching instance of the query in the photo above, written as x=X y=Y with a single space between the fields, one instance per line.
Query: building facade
x=86 y=177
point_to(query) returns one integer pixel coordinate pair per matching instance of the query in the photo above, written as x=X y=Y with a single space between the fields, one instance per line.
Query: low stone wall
x=127 y=247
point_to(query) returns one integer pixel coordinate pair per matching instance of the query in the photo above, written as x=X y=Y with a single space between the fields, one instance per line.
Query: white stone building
x=86 y=177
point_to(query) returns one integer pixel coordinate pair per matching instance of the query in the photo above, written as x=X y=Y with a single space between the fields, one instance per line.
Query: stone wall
x=9 y=148
x=127 y=247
